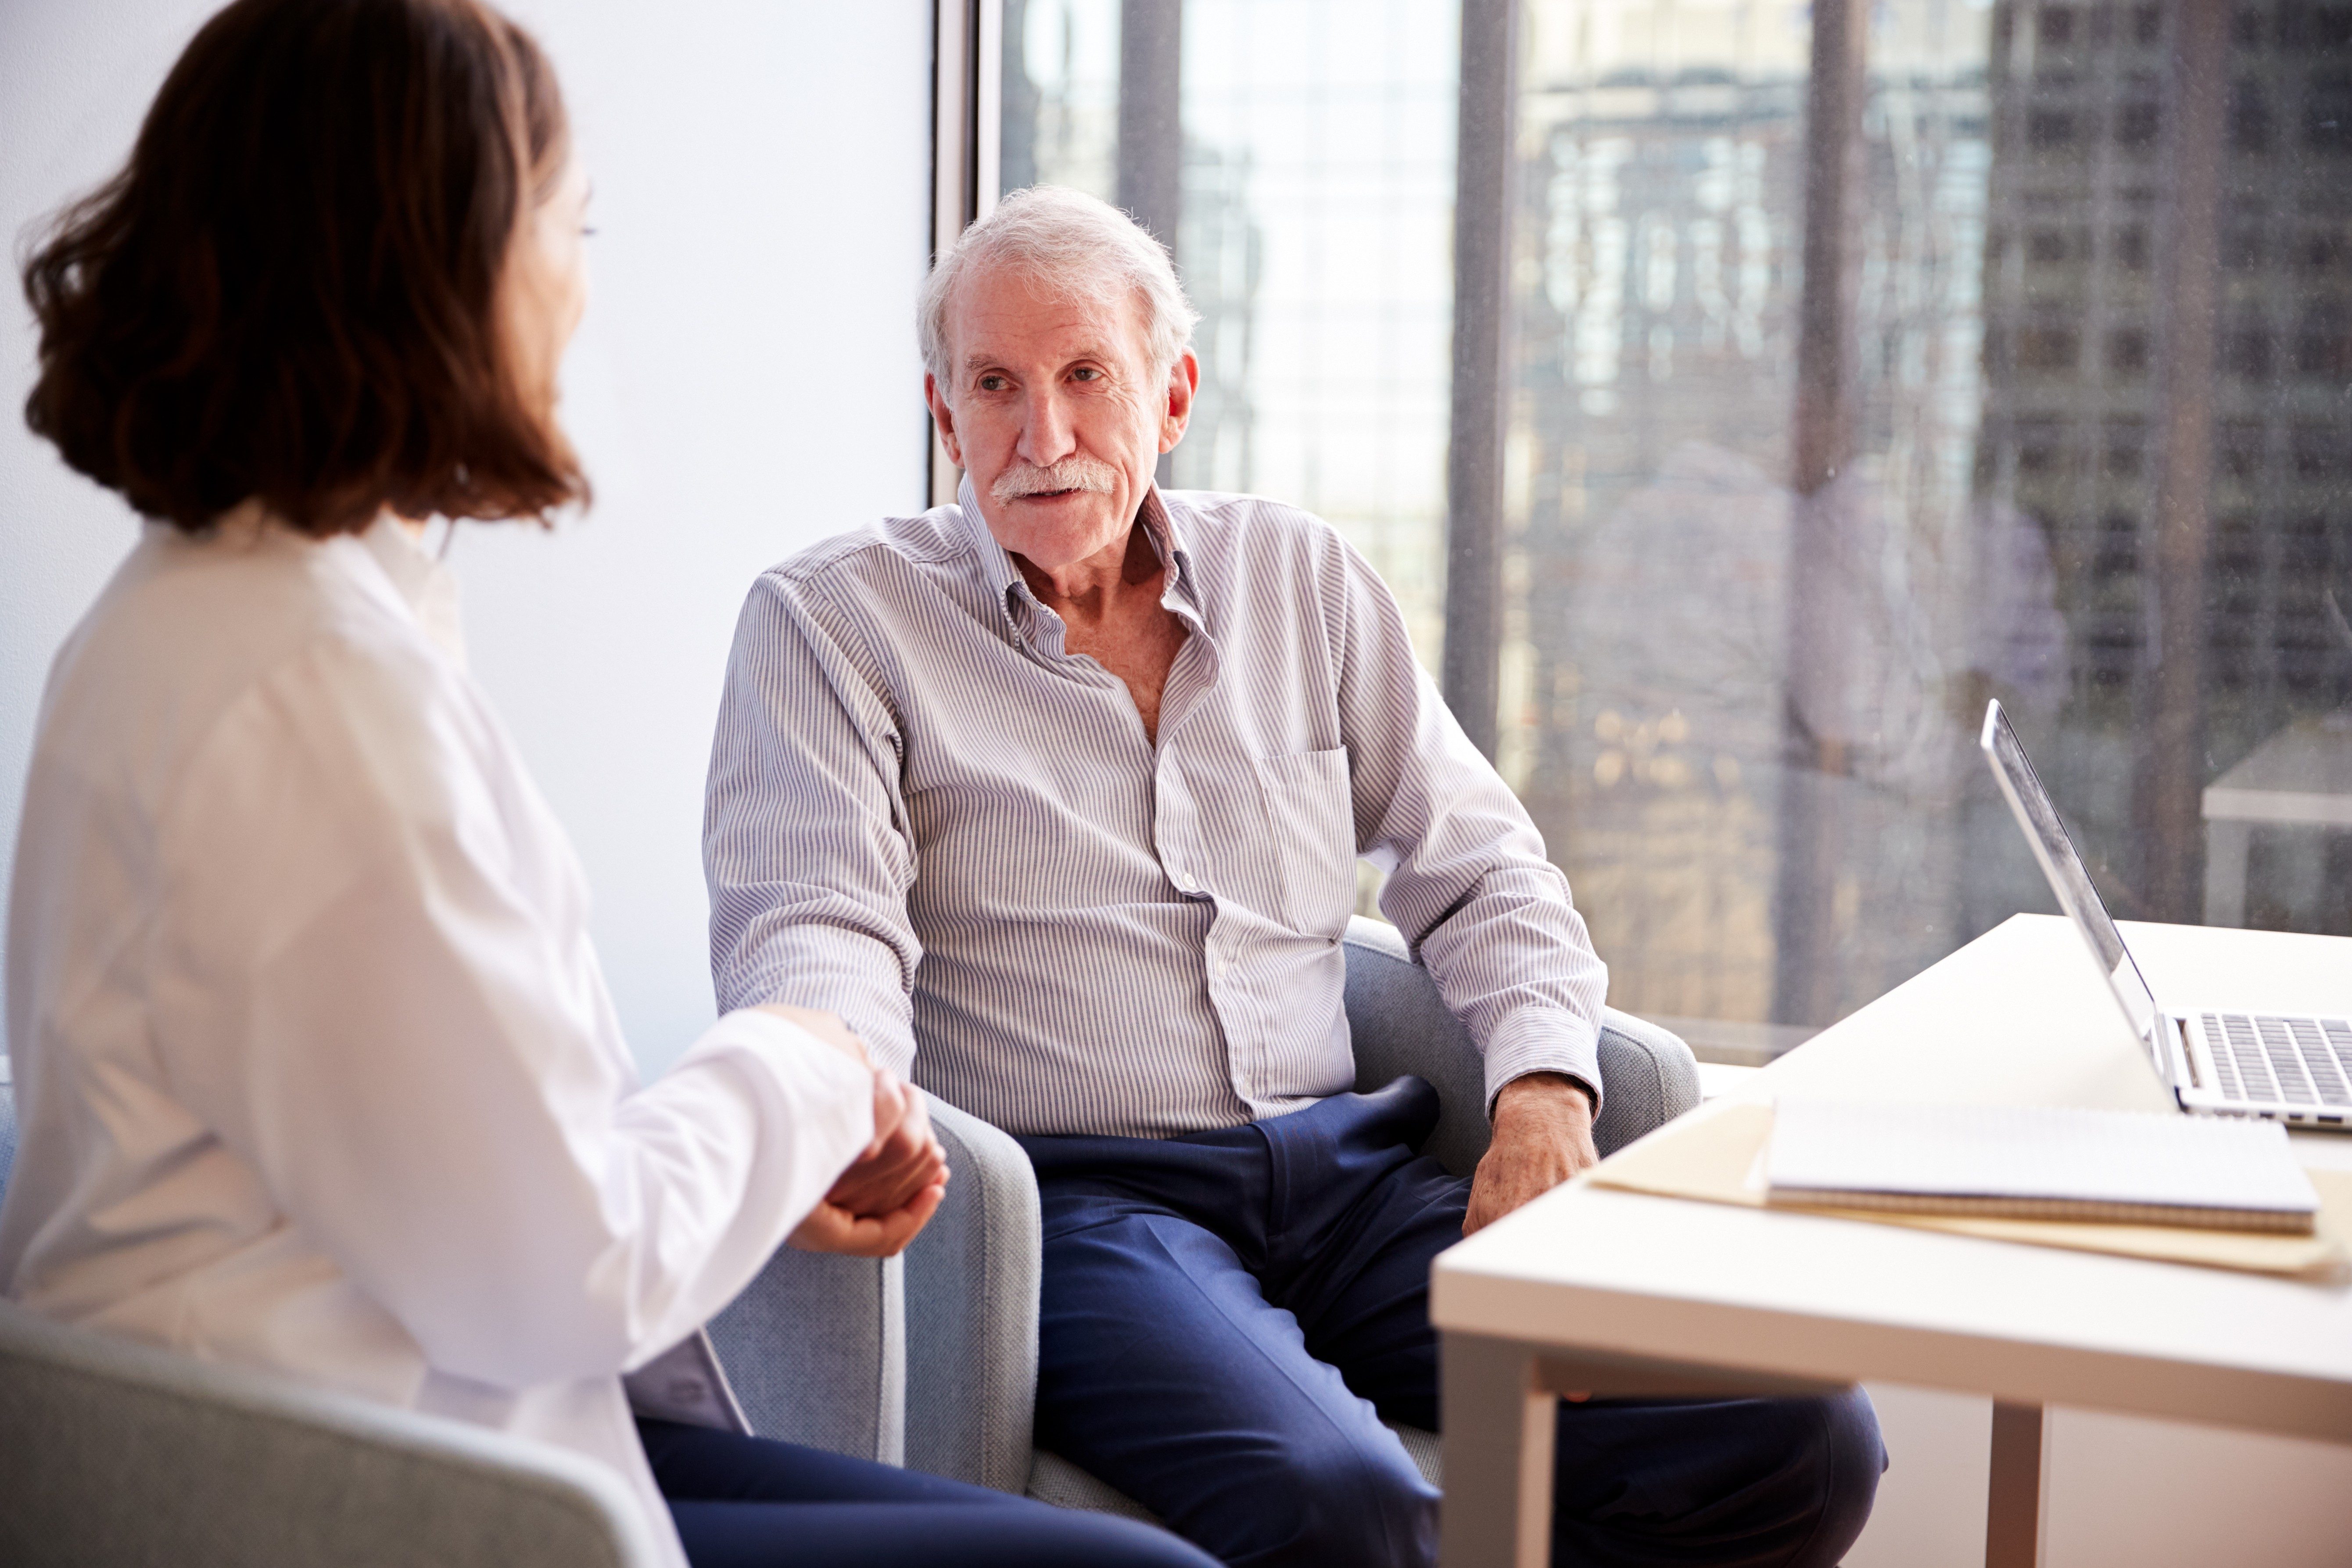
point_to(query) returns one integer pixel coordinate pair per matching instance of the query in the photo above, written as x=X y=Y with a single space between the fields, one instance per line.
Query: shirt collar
x=997 y=572
x=429 y=587
x=1163 y=523
x=1011 y=590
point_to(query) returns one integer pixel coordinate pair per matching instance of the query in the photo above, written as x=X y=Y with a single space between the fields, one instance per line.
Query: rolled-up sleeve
x=806 y=842
x=1468 y=884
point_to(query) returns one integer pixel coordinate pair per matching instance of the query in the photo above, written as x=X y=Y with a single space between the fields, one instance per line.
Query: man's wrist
x=1555 y=1089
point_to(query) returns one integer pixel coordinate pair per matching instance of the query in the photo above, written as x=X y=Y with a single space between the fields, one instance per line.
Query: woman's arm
x=373 y=979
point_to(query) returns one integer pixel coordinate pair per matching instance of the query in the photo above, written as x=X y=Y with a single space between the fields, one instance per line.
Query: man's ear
x=1183 y=382
x=943 y=416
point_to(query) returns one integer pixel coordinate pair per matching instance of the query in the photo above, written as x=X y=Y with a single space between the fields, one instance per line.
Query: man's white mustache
x=1073 y=473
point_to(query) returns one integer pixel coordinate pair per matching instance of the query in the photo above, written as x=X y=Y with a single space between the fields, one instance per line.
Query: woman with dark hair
x=315 y=1068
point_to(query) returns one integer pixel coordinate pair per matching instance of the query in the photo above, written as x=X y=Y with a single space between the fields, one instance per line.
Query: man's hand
x=889 y=1191
x=903 y=1159
x=892 y=1189
x=1543 y=1135
x=832 y=1229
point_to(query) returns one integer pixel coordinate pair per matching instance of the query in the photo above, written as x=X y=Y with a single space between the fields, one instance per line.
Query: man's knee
x=1822 y=1489
x=1328 y=1502
x=1785 y=1482
x=1852 y=1463
x=1853 y=1442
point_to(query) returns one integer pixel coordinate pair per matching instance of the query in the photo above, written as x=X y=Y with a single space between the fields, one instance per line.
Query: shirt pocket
x=1311 y=820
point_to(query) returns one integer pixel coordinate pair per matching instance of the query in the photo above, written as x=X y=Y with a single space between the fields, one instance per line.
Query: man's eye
x=991 y=383
x=1087 y=374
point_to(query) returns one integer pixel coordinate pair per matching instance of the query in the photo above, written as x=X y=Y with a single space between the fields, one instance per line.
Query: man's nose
x=1047 y=432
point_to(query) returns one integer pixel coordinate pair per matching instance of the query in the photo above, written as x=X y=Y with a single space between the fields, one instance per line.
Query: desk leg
x=2015 y=1520
x=1499 y=1429
x=2227 y=846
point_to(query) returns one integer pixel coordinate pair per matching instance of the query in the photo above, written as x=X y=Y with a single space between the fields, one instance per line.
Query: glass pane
x=1745 y=716
x=1662 y=239
x=1315 y=233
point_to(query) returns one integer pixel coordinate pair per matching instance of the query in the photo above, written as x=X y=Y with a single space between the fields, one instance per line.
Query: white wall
x=746 y=382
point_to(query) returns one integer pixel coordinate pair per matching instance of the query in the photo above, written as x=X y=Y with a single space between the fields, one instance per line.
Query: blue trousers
x=1230 y=1316
x=747 y=1502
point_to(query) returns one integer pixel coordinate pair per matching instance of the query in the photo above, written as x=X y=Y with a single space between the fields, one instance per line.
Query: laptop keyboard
x=2293 y=1061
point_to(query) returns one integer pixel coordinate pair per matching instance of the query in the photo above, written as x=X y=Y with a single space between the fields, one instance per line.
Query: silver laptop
x=2288 y=1067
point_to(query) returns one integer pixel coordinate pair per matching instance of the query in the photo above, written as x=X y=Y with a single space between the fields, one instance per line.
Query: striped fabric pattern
x=926 y=816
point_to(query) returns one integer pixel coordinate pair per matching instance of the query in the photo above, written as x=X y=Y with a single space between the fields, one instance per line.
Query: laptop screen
x=2065 y=868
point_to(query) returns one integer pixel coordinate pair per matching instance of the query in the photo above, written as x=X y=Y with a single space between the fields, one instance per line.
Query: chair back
x=1400 y=1024
x=120 y=1453
x=115 y=1453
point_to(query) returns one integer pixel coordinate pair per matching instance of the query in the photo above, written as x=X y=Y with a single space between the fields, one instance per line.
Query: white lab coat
x=315 y=1068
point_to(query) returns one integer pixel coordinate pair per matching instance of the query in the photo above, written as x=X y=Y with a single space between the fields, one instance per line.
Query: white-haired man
x=1067 y=782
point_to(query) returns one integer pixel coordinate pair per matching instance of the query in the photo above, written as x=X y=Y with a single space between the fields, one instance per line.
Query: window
x=1306 y=184
x=1831 y=384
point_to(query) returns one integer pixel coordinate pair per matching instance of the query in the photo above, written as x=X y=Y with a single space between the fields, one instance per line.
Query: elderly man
x=1057 y=795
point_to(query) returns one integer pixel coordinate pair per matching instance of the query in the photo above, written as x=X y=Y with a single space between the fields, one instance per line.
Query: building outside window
x=2063 y=416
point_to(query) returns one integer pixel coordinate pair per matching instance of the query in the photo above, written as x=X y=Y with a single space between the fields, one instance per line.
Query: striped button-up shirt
x=928 y=815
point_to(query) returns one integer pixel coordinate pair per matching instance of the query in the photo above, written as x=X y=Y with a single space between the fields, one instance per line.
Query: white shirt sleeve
x=380 y=992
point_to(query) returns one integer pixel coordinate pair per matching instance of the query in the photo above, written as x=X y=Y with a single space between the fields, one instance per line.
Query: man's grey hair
x=1070 y=243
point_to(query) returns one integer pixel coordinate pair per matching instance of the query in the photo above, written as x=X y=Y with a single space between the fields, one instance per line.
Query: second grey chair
x=114 y=1453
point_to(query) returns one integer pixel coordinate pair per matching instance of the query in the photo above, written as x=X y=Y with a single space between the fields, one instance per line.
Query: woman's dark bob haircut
x=292 y=294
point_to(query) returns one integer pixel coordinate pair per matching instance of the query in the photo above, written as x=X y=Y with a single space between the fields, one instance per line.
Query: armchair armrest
x=929 y=1359
x=1648 y=1076
x=1400 y=1025
x=117 y=1452
x=815 y=1350
x=971 y=1312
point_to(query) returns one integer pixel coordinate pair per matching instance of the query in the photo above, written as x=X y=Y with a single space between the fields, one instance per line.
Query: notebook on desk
x=2117 y=1168
x=2218 y=1060
x=1717 y=1154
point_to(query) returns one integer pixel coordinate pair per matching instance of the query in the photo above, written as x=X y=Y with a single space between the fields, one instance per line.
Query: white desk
x=1618 y=1293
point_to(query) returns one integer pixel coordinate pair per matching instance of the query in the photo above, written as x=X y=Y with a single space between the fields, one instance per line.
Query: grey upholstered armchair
x=931 y=1360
